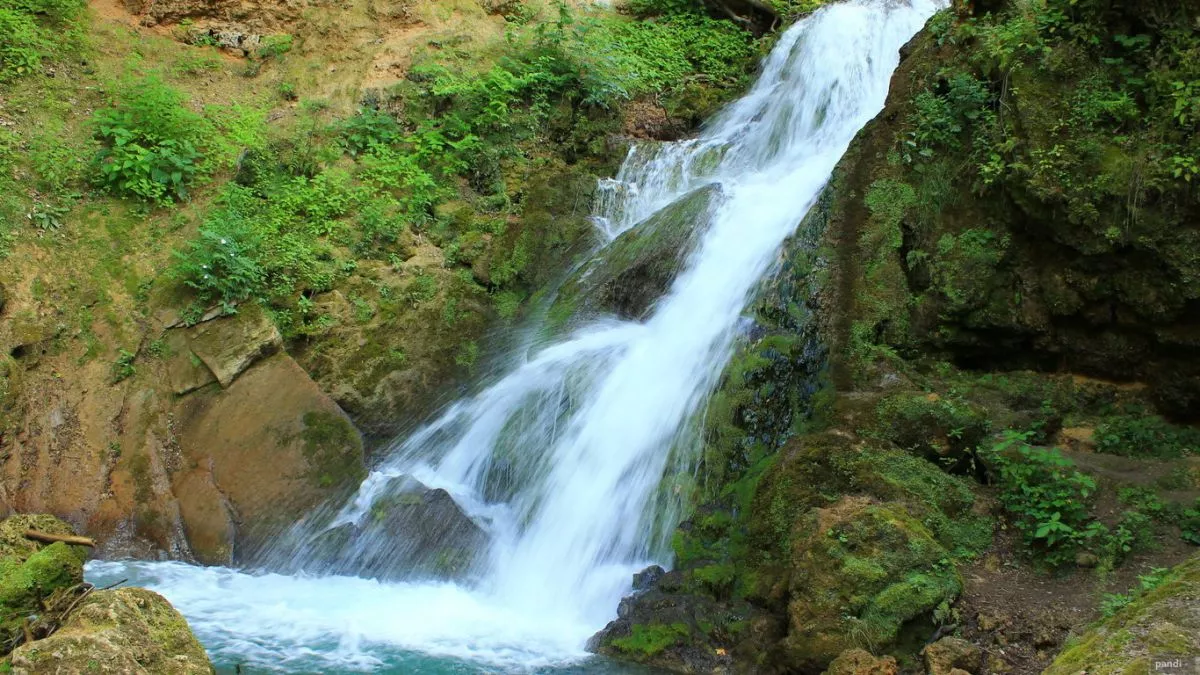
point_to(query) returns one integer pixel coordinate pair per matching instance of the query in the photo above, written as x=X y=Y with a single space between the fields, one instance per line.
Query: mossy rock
x=1163 y=622
x=943 y=430
x=861 y=571
x=818 y=470
x=14 y=543
x=126 y=630
x=637 y=268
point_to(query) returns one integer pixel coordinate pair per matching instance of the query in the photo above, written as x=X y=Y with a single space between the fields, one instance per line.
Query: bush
x=1046 y=497
x=1146 y=436
x=151 y=143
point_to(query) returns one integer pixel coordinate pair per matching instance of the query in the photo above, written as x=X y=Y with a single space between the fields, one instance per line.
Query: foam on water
x=598 y=424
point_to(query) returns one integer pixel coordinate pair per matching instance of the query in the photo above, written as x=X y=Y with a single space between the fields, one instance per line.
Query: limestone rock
x=861 y=662
x=276 y=444
x=126 y=631
x=949 y=654
x=229 y=345
x=208 y=522
x=185 y=371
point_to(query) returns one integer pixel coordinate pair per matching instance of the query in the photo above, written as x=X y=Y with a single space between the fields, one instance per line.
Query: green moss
x=333 y=449
x=1165 y=620
x=944 y=430
x=648 y=640
x=23 y=585
x=861 y=572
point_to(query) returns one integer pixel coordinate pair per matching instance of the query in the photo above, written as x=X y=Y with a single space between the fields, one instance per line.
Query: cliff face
x=1029 y=199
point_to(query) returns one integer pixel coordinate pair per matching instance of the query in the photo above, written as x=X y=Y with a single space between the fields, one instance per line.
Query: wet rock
x=951 y=654
x=645 y=579
x=636 y=269
x=208 y=523
x=861 y=662
x=423 y=532
x=126 y=630
x=411 y=531
x=1163 y=621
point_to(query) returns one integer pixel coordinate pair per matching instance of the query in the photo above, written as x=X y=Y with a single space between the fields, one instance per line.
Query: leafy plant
x=150 y=143
x=1115 y=602
x=1146 y=436
x=123 y=367
x=1045 y=496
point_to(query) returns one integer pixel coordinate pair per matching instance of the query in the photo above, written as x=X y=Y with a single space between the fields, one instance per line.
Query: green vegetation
x=649 y=639
x=32 y=31
x=1046 y=497
x=1115 y=602
x=151 y=143
x=1146 y=436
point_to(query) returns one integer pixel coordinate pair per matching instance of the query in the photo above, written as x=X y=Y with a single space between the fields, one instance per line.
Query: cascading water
x=568 y=460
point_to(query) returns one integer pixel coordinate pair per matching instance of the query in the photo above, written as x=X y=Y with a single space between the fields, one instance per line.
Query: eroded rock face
x=273 y=443
x=638 y=267
x=126 y=631
x=1164 y=621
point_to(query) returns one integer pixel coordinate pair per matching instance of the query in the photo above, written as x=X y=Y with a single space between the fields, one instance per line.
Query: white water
x=571 y=459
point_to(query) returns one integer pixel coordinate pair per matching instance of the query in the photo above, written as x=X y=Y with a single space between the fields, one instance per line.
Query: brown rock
x=230 y=345
x=185 y=370
x=861 y=662
x=276 y=445
x=1079 y=439
x=207 y=521
x=950 y=654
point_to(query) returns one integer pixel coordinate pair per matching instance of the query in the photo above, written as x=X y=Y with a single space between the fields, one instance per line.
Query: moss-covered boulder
x=1163 y=622
x=637 y=268
x=126 y=630
x=943 y=430
x=32 y=572
x=841 y=542
x=860 y=571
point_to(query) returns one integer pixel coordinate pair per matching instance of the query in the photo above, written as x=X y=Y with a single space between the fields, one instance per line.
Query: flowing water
x=574 y=460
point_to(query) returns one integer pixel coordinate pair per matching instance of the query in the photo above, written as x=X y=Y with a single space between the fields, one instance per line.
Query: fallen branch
x=65 y=538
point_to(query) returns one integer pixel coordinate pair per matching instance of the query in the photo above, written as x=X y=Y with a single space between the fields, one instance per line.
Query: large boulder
x=860 y=571
x=410 y=531
x=264 y=452
x=638 y=267
x=126 y=631
x=862 y=662
x=1163 y=622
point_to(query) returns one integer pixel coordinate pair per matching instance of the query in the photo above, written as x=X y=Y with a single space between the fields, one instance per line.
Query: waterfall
x=572 y=460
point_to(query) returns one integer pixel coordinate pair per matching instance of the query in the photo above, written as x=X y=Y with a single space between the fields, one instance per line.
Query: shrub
x=1146 y=436
x=150 y=143
x=1046 y=497
x=21 y=44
